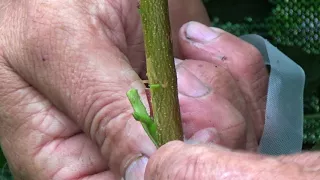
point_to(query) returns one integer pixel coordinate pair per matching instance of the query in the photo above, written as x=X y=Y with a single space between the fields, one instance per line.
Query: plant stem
x=161 y=70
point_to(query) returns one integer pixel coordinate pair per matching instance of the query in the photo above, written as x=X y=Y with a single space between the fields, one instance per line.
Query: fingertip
x=193 y=37
x=195 y=32
x=198 y=41
x=207 y=135
x=200 y=33
x=177 y=62
x=190 y=85
x=136 y=169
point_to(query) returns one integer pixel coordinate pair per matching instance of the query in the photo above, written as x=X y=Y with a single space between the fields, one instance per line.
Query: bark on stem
x=161 y=70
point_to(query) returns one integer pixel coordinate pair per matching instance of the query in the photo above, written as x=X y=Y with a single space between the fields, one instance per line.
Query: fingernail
x=189 y=84
x=200 y=33
x=208 y=135
x=177 y=61
x=136 y=169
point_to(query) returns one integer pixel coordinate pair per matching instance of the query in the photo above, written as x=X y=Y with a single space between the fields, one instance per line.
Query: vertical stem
x=161 y=70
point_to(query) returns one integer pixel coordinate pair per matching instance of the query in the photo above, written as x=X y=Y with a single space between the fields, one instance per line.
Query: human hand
x=237 y=79
x=177 y=160
x=65 y=69
x=222 y=96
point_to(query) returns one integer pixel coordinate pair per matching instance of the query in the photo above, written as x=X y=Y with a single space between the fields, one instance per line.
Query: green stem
x=161 y=70
x=140 y=114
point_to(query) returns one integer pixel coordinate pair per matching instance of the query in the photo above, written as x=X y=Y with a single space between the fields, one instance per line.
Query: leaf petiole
x=140 y=114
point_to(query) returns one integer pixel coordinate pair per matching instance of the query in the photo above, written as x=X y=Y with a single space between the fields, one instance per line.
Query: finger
x=181 y=161
x=307 y=159
x=177 y=160
x=241 y=59
x=39 y=141
x=137 y=168
x=208 y=98
x=82 y=69
x=208 y=135
x=181 y=12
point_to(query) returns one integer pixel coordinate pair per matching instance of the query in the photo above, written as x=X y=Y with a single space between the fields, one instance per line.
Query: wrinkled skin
x=177 y=160
x=65 y=67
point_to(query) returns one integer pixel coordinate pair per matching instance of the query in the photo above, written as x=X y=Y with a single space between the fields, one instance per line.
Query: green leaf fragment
x=140 y=114
x=155 y=86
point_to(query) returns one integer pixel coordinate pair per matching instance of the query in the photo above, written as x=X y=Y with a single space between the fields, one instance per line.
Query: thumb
x=242 y=60
x=207 y=100
x=177 y=160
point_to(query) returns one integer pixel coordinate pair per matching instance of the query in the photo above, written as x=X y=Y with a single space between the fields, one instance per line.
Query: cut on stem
x=161 y=70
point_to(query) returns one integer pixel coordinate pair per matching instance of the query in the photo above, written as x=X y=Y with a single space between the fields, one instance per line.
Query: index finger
x=72 y=58
x=79 y=62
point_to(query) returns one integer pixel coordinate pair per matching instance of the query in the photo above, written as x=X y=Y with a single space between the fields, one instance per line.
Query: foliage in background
x=292 y=25
x=4 y=170
x=289 y=23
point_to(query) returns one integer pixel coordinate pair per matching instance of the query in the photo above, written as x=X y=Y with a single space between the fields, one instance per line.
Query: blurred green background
x=291 y=25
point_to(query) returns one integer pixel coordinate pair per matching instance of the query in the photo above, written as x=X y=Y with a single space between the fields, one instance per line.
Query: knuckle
x=255 y=53
x=108 y=120
x=106 y=114
x=187 y=169
x=180 y=162
x=38 y=28
x=58 y=21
